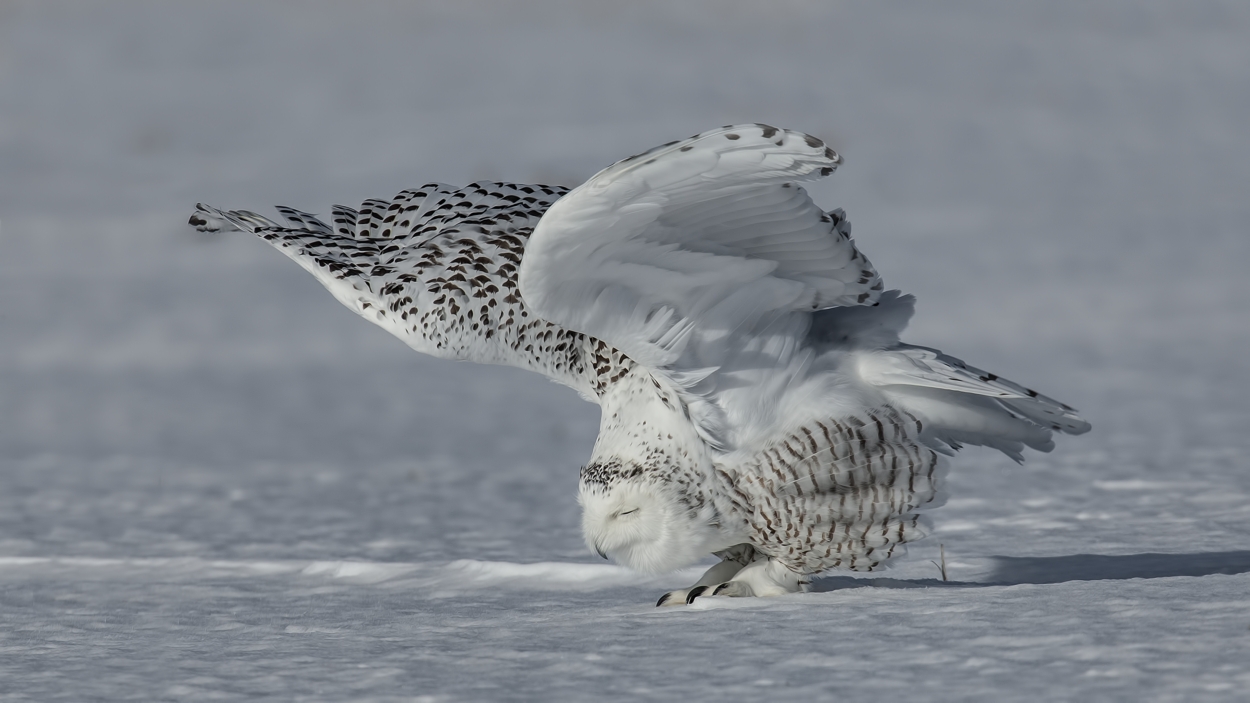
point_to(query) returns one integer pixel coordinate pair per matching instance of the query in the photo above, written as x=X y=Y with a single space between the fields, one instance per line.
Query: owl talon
x=695 y=593
x=734 y=589
x=732 y=561
x=730 y=589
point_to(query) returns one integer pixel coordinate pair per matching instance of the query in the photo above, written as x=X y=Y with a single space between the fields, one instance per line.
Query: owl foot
x=734 y=560
x=763 y=577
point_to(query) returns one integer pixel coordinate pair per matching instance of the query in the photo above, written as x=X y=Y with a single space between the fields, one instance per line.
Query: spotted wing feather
x=436 y=266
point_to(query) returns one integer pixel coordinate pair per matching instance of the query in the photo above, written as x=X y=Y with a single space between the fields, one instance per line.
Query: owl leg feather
x=733 y=560
x=763 y=577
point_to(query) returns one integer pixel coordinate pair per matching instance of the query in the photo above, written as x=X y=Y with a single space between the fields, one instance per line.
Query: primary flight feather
x=756 y=400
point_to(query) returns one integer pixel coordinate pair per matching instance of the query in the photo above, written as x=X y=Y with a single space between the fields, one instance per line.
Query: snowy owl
x=756 y=401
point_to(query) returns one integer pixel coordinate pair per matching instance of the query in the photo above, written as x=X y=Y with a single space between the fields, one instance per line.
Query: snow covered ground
x=217 y=483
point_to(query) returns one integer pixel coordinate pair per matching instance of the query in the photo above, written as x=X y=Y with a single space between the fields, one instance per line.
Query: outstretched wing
x=436 y=266
x=702 y=260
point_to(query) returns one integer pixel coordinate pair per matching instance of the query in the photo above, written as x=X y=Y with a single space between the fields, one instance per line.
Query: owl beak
x=599 y=551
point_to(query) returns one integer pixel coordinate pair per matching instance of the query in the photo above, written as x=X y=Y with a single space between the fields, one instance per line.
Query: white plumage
x=756 y=400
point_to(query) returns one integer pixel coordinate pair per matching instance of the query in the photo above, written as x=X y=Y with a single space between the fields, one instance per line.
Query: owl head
x=642 y=522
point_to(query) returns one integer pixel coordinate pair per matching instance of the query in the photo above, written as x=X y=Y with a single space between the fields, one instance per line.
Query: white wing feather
x=702 y=260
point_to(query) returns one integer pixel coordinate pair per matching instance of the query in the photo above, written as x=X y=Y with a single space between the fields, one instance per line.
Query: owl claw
x=672 y=598
x=732 y=562
x=731 y=589
x=734 y=589
x=695 y=593
x=763 y=577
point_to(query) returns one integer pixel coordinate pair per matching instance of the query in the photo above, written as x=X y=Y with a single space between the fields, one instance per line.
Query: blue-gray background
x=216 y=482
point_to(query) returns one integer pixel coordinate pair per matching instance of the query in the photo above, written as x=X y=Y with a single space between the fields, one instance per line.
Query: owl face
x=644 y=525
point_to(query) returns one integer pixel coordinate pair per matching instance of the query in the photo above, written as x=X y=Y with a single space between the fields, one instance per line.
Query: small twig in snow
x=941 y=567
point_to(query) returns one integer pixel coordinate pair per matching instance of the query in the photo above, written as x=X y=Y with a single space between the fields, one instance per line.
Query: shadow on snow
x=1011 y=571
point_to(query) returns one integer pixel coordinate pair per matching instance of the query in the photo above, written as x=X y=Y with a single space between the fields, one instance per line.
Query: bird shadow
x=1012 y=571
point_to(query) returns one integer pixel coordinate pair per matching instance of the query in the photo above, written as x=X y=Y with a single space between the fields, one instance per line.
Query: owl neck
x=645 y=432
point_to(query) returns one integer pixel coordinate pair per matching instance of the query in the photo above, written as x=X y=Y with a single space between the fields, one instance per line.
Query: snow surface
x=217 y=483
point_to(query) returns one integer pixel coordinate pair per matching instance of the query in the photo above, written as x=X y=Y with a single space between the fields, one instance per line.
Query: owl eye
x=629 y=512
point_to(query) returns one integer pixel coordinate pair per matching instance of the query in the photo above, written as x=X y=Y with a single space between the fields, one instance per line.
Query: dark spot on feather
x=813 y=142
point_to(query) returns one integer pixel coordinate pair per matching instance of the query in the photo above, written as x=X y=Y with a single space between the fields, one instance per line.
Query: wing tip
x=207 y=218
x=815 y=159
